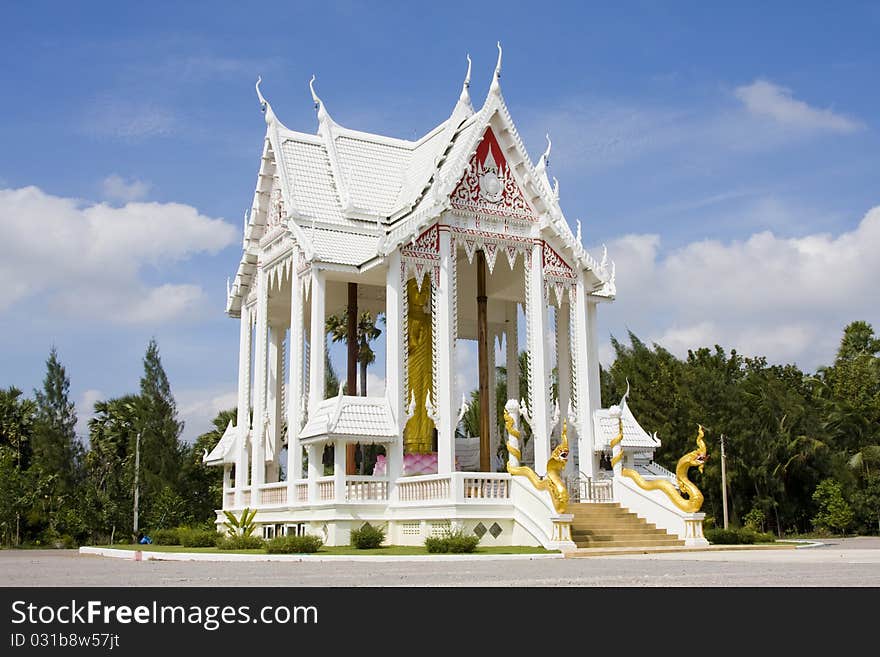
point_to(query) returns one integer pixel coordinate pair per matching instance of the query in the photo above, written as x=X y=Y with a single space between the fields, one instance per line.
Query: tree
x=834 y=513
x=203 y=485
x=55 y=447
x=109 y=466
x=161 y=451
x=367 y=331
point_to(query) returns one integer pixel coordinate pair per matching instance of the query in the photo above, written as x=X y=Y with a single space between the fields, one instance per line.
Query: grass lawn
x=342 y=550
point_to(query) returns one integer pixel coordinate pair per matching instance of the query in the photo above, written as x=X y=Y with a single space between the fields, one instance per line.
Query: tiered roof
x=350 y=197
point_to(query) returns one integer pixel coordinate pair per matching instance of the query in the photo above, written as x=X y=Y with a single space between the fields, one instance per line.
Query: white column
x=444 y=315
x=241 y=474
x=587 y=373
x=395 y=350
x=493 y=407
x=244 y=370
x=274 y=403
x=317 y=339
x=295 y=381
x=512 y=353
x=563 y=369
x=316 y=469
x=539 y=361
x=339 y=470
x=258 y=449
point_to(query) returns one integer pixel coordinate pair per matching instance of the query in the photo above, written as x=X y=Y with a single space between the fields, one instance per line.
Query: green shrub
x=755 y=519
x=240 y=543
x=456 y=542
x=166 y=536
x=737 y=536
x=193 y=537
x=294 y=544
x=367 y=537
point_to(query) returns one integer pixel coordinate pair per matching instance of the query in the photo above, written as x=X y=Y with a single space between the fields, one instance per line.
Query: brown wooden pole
x=352 y=372
x=483 y=361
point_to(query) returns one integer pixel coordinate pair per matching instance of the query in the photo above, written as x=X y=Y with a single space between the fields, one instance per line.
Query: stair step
x=654 y=543
x=621 y=531
x=610 y=525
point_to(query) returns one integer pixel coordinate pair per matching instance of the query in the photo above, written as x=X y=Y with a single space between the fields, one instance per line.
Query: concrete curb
x=147 y=555
x=624 y=551
x=801 y=543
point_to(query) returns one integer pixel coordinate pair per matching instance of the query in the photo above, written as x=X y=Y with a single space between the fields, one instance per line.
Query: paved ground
x=840 y=563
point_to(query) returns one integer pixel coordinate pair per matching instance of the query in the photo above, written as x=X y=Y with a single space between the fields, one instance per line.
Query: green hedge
x=456 y=542
x=737 y=536
x=166 y=536
x=192 y=537
x=294 y=544
x=240 y=542
x=367 y=537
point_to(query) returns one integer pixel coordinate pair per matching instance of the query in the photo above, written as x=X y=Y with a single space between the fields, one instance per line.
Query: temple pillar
x=395 y=350
x=244 y=370
x=258 y=442
x=316 y=469
x=444 y=315
x=512 y=349
x=539 y=361
x=493 y=407
x=317 y=339
x=563 y=370
x=339 y=467
x=295 y=381
x=275 y=396
x=586 y=367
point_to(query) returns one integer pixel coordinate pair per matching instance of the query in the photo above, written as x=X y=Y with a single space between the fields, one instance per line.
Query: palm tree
x=367 y=331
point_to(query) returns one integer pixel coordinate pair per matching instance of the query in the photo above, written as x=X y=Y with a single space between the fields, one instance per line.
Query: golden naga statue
x=697 y=458
x=418 y=435
x=553 y=482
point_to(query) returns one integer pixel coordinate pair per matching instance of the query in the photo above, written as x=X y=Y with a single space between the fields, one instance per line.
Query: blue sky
x=727 y=156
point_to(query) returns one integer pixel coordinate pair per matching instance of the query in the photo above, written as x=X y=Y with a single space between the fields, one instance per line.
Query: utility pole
x=137 y=468
x=723 y=482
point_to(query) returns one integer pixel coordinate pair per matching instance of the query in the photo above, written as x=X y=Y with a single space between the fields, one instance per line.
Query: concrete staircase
x=607 y=525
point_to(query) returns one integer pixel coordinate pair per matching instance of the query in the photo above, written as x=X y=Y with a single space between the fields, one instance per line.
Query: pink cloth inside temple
x=413 y=464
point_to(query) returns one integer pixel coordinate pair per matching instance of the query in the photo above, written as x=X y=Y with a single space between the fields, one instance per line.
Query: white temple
x=454 y=236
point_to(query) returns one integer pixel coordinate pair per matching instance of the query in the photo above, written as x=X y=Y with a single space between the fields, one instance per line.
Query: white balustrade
x=483 y=485
x=424 y=488
x=301 y=491
x=273 y=494
x=326 y=489
x=366 y=489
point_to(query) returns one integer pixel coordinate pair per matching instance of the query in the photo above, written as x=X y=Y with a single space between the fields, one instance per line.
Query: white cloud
x=117 y=188
x=198 y=407
x=127 y=120
x=88 y=259
x=765 y=99
x=785 y=298
x=375 y=385
x=85 y=410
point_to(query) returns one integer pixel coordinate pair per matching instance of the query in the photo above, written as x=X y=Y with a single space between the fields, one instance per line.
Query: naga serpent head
x=699 y=456
x=560 y=453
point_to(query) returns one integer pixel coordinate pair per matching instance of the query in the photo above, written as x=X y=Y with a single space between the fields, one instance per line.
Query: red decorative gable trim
x=488 y=186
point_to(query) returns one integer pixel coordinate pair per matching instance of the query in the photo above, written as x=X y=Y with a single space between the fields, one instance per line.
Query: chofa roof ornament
x=265 y=107
x=496 y=85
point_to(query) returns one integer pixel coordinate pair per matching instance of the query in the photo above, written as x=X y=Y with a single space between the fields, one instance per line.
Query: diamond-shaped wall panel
x=495 y=530
x=480 y=529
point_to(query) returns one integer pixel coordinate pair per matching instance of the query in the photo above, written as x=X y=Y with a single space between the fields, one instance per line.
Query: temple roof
x=223 y=451
x=350 y=196
x=635 y=438
x=366 y=419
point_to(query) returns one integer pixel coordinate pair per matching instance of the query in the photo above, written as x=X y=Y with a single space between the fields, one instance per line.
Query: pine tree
x=55 y=447
x=161 y=451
